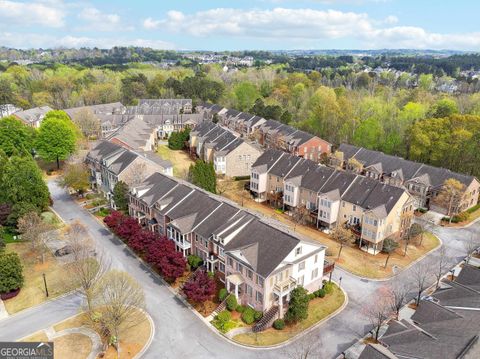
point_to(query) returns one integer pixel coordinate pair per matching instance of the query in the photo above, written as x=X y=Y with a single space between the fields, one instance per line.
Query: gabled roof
x=469 y=276
x=103 y=149
x=268 y=159
x=34 y=114
x=410 y=170
x=376 y=351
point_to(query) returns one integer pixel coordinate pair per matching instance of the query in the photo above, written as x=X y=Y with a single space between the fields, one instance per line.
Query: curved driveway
x=179 y=333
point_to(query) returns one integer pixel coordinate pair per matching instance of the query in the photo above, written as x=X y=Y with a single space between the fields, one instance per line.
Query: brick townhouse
x=374 y=211
x=259 y=261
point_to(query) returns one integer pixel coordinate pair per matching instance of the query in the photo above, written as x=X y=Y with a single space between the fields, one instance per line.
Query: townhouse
x=110 y=163
x=269 y=133
x=327 y=198
x=260 y=261
x=231 y=155
x=136 y=135
x=424 y=182
x=167 y=115
x=111 y=115
x=34 y=116
x=444 y=325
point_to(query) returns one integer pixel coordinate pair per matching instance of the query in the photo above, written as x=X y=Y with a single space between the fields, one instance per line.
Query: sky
x=242 y=25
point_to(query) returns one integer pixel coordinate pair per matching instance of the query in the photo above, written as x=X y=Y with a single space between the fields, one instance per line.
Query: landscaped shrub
x=474 y=208
x=320 y=293
x=11 y=272
x=328 y=288
x=298 y=306
x=279 y=324
x=248 y=316
x=258 y=315
x=240 y=308
x=231 y=302
x=224 y=316
x=422 y=210
x=462 y=217
x=222 y=294
x=311 y=296
x=194 y=261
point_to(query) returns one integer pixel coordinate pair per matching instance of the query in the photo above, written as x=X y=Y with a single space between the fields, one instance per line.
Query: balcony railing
x=328 y=267
x=285 y=286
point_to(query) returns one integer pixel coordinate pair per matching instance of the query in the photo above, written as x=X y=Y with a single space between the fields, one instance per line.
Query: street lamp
x=340 y=282
x=45 y=284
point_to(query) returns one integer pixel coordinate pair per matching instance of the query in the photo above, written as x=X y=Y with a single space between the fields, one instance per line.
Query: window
x=260 y=281
x=301 y=280
x=314 y=273
x=354 y=208
x=250 y=274
x=301 y=265
x=239 y=268
x=249 y=290
x=222 y=267
x=279 y=277
x=316 y=258
x=230 y=262
x=259 y=297
x=298 y=251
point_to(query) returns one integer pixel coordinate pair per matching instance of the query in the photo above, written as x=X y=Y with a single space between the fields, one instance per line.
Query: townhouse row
x=424 y=182
x=328 y=197
x=231 y=155
x=110 y=163
x=259 y=260
x=268 y=133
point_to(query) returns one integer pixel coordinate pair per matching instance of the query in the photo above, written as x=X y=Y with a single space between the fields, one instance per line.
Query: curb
x=303 y=333
x=150 y=339
x=465 y=226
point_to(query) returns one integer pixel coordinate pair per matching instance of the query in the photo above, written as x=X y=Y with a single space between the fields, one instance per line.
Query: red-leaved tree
x=162 y=256
x=127 y=228
x=142 y=240
x=200 y=287
x=114 y=219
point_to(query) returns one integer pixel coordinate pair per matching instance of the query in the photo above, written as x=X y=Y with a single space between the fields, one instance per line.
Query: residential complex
x=110 y=163
x=328 y=197
x=231 y=155
x=445 y=325
x=259 y=260
x=34 y=116
x=424 y=182
x=269 y=133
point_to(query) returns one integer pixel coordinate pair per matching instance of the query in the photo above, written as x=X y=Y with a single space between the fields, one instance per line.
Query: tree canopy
x=56 y=138
x=15 y=137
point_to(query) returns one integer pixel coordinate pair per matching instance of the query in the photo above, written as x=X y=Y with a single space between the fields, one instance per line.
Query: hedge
x=473 y=209
x=258 y=315
x=328 y=288
x=240 y=308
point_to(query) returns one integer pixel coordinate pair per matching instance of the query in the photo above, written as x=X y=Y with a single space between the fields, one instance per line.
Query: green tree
x=56 y=139
x=245 y=94
x=202 y=174
x=15 y=137
x=298 y=305
x=177 y=140
x=22 y=187
x=444 y=107
x=120 y=196
x=76 y=176
x=368 y=134
x=11 y=272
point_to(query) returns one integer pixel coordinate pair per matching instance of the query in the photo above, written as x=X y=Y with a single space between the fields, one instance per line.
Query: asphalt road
x=179 y=333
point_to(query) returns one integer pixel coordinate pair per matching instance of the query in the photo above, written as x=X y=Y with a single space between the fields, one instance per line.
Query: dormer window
x=298 y=251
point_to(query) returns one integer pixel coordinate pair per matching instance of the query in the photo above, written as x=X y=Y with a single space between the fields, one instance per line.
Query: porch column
x=236 y=291
x=280 y=302
x=227 y=284
x=360 y=244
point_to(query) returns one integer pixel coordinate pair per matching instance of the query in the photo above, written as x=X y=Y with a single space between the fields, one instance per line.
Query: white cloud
x=98 y=21
x=310 y=27
x=44 y=13
x=32 y=40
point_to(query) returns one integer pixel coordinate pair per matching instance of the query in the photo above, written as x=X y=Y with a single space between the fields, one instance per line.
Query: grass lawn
x=36 y=337
x=33 y=291
x=318 y=309
x=52 y=219
x=132 y=339
x=180 y=160
x=72 y=346
x=352 y=259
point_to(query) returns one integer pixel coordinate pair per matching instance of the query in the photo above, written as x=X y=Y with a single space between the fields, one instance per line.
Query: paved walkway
x=179 y=332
